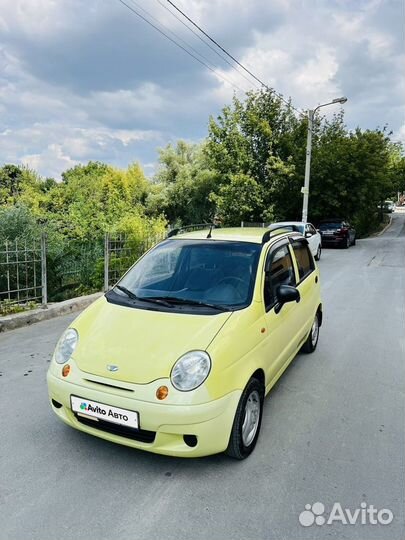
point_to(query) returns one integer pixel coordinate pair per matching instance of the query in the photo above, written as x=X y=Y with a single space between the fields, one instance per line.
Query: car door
x=352 y=232
x=312 y=237
x=347 y=226
x=316 y=236
x=307 y=284
x=283 y=328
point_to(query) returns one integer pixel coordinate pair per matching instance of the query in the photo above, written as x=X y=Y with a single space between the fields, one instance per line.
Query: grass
x=9 y=307
x=381 y=226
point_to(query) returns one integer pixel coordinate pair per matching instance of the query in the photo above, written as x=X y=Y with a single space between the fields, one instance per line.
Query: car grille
x=109 y=385
x=140 y=435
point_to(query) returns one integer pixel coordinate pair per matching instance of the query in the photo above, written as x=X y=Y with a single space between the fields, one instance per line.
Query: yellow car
x=177 y=357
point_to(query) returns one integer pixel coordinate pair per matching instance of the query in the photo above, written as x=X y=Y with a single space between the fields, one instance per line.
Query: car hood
x=144 y=344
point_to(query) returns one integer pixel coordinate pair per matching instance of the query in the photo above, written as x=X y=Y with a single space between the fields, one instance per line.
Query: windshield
x=200 y=271
x=330 y=225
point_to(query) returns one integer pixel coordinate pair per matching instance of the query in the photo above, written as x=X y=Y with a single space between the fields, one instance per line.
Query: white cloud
x=51 y=158
x=84 y=80
x=72 y=145
x=41 y=19
x=148 y=100
x=400 y=134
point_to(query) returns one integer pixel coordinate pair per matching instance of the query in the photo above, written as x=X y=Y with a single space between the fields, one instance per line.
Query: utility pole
x=305 y=189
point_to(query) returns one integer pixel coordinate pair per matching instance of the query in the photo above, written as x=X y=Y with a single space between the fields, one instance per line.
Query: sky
x=88 y=80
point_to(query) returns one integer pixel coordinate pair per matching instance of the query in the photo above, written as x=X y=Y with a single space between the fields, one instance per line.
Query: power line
x=179 y=45
x=232 y=57
x=206 y=43
x=186 y=44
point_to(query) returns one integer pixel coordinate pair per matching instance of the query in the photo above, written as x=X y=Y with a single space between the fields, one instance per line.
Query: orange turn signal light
x=65 y=370
x=162 y=392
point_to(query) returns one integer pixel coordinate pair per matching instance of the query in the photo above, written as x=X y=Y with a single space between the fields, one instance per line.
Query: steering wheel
x=238 y=281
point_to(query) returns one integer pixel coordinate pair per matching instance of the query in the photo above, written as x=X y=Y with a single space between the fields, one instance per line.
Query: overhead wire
x=203 y=62
x=207 y=44
x=288 y=103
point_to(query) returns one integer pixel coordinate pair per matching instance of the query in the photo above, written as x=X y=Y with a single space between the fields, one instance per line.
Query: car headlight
x=66 y=345
x=190 y=371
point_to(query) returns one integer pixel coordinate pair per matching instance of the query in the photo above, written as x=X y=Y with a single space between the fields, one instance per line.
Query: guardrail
x=34 y=272
x=23 y=272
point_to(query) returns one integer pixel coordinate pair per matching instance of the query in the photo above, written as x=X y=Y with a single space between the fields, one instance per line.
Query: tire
x=312 y=339
x=318 y=253
x=243 y=440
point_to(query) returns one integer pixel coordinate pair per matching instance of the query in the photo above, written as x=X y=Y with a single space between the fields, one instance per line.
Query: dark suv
x=337 y=232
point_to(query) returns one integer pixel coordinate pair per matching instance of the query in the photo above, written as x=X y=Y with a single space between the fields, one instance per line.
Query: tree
x=183 y=184
x=94 y=197
x=10 y=183
x=397 y=168
x=349 y=175
x=18 y=222
x=241 y=199
x=254 y=139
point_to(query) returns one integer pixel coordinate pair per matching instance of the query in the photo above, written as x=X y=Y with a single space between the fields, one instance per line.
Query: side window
x=312 y=229
x=304 y=259
x=280 y=272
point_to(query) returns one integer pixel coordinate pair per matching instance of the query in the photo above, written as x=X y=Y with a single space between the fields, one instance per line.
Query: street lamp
x=305 y=189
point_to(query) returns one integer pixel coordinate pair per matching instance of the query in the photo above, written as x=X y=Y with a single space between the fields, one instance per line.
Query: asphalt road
x=333 y=431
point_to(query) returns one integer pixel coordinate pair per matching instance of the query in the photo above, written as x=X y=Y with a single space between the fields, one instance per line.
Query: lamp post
x=305 y=189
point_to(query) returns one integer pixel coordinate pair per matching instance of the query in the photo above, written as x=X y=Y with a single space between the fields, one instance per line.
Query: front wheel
x=318 y=253
x=247 y=421
x=312 y=340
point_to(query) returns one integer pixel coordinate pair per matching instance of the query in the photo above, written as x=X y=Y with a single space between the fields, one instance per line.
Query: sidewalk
x=26 y=318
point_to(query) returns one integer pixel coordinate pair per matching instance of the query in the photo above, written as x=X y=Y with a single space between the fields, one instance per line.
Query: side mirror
x=286 y=293
x=308 y=235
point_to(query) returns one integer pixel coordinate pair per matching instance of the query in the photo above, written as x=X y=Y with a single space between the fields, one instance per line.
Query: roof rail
x=281 y=228
x=190 y=228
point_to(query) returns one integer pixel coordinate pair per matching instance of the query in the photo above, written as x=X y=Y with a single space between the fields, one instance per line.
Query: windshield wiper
x=186 y=301
x=127 y=292
x=133 y=296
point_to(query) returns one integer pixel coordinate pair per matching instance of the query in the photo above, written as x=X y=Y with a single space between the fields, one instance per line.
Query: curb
x=386 y=227
x=18 y=320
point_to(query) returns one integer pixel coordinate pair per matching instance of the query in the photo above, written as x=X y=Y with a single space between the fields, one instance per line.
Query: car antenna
x=210 y=231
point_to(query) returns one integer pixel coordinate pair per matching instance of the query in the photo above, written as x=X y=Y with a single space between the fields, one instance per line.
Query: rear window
x=292 y=227
x=330 y=225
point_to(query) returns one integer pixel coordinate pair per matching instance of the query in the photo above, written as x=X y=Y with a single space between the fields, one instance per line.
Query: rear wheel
x=312 y=340
x=318 y=253
x=247 y=421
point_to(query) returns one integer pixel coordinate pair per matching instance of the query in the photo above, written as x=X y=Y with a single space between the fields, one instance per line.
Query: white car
x=307 y=230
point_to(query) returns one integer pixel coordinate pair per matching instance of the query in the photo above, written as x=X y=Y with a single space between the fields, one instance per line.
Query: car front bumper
x=162 y=425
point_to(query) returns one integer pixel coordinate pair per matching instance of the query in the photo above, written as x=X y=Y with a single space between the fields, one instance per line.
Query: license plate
x=101 y=411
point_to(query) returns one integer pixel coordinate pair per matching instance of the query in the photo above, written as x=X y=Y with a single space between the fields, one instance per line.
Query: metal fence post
x=106 y=261
x=43 y=271
x=8 y=270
